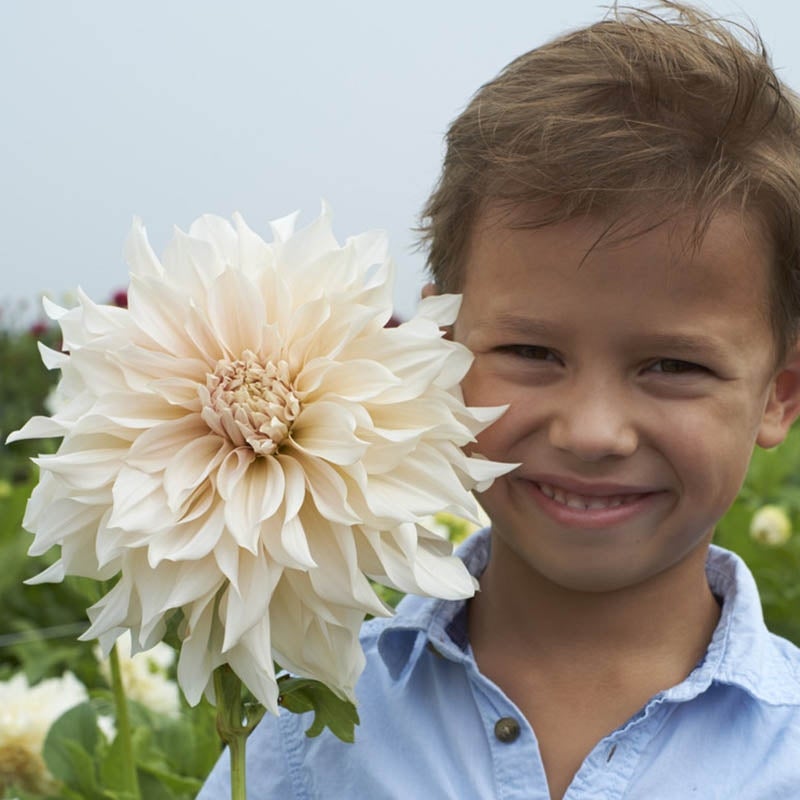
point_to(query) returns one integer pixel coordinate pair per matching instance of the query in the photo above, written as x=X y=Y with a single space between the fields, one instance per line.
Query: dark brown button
x=506 y=729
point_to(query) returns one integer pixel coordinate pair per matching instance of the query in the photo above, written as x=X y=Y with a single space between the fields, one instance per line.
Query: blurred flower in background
x=145 y=676
x=26 y=713
x=771 y=526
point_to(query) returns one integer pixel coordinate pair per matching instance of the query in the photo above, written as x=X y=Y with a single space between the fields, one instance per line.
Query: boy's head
x=633 y=120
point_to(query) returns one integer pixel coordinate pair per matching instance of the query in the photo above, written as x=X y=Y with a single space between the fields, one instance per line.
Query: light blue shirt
x=434 y=728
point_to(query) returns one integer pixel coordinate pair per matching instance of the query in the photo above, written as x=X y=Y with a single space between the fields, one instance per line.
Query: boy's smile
x=639 y=374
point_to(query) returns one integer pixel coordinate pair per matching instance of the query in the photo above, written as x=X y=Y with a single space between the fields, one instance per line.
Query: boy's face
x=639 y=377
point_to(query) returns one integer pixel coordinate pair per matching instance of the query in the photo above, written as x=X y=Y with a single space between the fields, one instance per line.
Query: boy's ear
x=783 y=404
x=429 y=290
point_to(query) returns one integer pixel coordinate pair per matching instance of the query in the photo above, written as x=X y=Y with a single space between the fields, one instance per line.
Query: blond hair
x=672 y=110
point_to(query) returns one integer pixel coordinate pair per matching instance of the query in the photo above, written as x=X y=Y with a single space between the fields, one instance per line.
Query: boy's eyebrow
x=685 y=343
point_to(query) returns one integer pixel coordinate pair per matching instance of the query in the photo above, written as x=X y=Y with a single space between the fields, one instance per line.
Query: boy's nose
x=593 y=423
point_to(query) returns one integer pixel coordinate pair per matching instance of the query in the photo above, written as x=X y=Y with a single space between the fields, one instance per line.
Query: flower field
x=58 y=733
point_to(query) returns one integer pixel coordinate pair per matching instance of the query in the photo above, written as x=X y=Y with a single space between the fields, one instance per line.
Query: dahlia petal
x=191 y=264
x=252 y=662
x=60 y=519
x=245 y=604
x=135 y=410
x=255 y=255
x=37 y=428
x=322 y=430
x=283 y=228
x=138 y=254
x=294 y=485
x=328 y=490
x=159 y=312
x=256 y=496
x=87 y=470
x=338 y=578
x=440 y=308
x=52 y=359
x=154 y=447
x=242 y=330
x=55 y=573
x=232 y=469
x=139 y=502
x=198 y=657
x=357 y=380
x=220 y=234
x=191 y=465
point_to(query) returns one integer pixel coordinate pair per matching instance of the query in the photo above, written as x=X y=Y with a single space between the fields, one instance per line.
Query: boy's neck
x=661 y=627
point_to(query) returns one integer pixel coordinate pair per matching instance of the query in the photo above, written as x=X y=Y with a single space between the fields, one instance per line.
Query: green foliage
x=302 y=694
x=24 y=387
x=172 y=754
x=773 y=479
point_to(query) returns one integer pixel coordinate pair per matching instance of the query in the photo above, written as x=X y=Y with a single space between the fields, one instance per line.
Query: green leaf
x=69 y=749
x=303 y=694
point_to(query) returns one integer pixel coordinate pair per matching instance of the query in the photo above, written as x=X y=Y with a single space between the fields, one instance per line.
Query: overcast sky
x=169 y=109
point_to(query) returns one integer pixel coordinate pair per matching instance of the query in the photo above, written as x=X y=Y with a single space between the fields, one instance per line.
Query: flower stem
x=235 y=721
x=124 y=725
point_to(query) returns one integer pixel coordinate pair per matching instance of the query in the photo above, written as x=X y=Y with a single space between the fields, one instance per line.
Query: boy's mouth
x=586 y=502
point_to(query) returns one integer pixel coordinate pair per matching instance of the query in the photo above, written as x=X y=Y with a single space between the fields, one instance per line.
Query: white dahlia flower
x=247 y=442
x=145 y=675
x=26 y=714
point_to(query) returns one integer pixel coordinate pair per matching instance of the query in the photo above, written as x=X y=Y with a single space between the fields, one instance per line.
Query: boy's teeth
x=584 y=502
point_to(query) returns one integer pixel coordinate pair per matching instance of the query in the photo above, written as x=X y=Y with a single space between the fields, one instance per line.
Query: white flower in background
x=247 y=441
x=770 y=525
x=145 y=676
x=26 y=714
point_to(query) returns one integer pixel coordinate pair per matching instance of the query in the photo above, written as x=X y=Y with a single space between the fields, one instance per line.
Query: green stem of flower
x=235 y=721
x=124 y=725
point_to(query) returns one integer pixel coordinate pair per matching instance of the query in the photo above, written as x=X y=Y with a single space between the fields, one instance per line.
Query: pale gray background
x=172 y=108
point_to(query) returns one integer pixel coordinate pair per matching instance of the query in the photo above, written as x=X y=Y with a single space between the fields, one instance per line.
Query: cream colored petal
x=338 y=578
x=159 y=312
x=220 y=234
x=245 y=604
x=241 y=330
x=328 y=490
x=199 y=657
x=136 y=410
x=153 y=448
x=83 y=470
x=252 y=662
x=358 y=380
x=37 y=428
x=254 y=497
x=294 y=485
x=138 y=254
x=191 y=465
x=139 y=502
x=327 y=430
x=232 y=469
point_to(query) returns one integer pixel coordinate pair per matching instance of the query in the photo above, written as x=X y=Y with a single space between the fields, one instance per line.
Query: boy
x=621 y=211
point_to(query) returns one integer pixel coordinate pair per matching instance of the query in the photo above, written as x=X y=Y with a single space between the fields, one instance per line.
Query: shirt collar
x=742 y=651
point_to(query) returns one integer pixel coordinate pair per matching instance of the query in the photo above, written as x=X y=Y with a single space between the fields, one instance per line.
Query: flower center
x=250 y=402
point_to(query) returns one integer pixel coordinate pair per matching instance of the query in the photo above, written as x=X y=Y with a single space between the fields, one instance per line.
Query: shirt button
x=506 y=729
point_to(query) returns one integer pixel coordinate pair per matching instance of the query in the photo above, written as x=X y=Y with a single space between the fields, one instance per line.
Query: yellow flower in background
x=247 y=443
x=26 y=714
x=771 y=525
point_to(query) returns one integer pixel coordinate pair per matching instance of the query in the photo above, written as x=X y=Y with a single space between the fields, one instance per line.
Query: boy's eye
x=531 y=352
x=674 y=366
